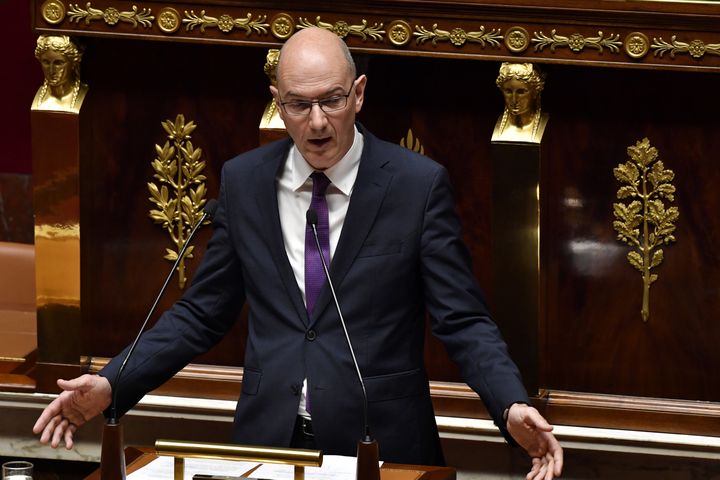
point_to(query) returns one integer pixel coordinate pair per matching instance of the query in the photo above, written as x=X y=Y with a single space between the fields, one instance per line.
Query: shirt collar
x=342 y=174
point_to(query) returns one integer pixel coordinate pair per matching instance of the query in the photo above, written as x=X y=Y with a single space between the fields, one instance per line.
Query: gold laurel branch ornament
x=576 y=42
x=458 y=36
x=696 y=48
x=111 y=15
x=342 y=29
x=645 y=223
x=412 y=143
x=226 y=22
x=178 y=168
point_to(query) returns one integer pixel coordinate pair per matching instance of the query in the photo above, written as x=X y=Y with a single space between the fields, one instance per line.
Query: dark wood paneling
x=595 y=338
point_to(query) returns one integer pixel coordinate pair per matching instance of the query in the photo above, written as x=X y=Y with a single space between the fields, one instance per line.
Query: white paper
x=334 y=467
x=163 y=468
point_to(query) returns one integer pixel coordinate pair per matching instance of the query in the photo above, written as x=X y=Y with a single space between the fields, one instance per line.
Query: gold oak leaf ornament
x=643 y=221
x=178 y=169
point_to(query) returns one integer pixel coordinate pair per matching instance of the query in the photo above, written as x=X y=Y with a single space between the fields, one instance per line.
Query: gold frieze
x=111 y=15
x=412 y=143
x=62 y=89
x=342 y=29
x=645 y=223
x=576 y=42
x=696 y=48
x=226 y=23
x=458 y=36
x=178 y=168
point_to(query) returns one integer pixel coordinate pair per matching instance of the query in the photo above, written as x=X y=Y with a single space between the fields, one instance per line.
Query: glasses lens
x=333 y=103
x=297 y=108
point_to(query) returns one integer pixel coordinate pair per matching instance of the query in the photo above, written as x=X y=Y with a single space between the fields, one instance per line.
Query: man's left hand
x=534 y=434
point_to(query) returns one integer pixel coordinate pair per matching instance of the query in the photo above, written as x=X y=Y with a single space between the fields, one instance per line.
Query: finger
x=68 y=436
x=73 y=384
x=49 y=428
x=557 y=453
x=550 y=467
x=535 y=468
x=48 y=414
x=540 y=474
x=58 y=433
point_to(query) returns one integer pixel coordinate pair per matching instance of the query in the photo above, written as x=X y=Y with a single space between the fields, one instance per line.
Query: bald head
x=315 y=46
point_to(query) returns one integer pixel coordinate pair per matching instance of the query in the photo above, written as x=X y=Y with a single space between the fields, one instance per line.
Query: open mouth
x=319 y=142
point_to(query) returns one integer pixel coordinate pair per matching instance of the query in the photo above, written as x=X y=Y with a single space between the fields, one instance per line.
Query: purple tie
x=314 y=274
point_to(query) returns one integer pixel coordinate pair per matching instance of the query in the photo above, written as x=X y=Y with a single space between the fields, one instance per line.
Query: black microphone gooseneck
x=312 y=219
x=208 y=213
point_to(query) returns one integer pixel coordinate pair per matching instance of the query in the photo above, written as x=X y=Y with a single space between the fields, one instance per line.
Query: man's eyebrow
x=333 y=91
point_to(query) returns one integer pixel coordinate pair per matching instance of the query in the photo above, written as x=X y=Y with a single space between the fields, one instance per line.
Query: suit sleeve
x=192 y=325
x=460 y=317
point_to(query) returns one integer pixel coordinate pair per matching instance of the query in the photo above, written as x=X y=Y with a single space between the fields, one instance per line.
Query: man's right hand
x=82 y=399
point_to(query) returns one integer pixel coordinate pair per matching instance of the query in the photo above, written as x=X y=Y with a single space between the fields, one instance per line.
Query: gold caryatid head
x=271 y=63
x=60 y=59
x=520 y=84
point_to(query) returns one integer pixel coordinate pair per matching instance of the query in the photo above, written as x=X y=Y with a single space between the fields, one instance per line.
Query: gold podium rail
x=181 y=450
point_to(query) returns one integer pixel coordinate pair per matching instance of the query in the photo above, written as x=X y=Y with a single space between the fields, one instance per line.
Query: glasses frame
x=318 y=102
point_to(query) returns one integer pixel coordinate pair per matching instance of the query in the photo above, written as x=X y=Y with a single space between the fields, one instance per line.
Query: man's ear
x=360 y=84
x=276 y=98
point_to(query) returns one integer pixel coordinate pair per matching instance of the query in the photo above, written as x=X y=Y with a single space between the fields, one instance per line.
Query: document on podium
x=334 y=467
x=163 y=467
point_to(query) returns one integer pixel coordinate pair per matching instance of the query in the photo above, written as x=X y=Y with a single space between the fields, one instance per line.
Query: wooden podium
x=139 y=457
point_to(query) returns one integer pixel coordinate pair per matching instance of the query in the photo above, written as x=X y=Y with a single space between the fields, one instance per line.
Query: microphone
x=112 y=459
x=368 y=467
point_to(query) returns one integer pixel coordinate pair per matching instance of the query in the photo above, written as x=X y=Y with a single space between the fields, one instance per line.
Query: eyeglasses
x=327 y=105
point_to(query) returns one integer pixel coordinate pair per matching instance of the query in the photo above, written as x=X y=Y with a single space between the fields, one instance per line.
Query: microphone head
x=211 y=207
x=311 y=216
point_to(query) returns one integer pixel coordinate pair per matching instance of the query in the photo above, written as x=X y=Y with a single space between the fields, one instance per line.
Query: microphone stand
x=112 y=455
x=368 y=452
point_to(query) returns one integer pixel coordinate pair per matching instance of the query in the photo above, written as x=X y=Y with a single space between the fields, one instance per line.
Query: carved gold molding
x=696 y=48
x=645 y=223
x=178 y=167
x=516 y=39
x=342 y=29
x=576 y=42
x=111 y=15
x=225 y=22
x=458 y=36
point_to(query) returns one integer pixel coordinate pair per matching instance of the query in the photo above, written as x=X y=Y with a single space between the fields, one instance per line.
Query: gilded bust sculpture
x=522 y=120
x=60 y=60
x=271 y=118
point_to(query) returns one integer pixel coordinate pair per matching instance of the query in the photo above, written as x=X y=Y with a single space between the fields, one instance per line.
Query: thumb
x=536 y=420
x=71 y=385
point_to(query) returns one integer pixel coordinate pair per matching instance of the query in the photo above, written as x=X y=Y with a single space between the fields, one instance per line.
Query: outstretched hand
x=534 y=434
x=82 y=399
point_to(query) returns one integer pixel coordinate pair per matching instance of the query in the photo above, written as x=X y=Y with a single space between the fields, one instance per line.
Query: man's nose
x=317 y=117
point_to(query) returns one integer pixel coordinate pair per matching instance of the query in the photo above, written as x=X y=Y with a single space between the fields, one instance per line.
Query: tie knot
x=320 y=183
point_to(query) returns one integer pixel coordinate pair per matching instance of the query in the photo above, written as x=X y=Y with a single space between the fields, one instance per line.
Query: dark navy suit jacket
x=400 y=252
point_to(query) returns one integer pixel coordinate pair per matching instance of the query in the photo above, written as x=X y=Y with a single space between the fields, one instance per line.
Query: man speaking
x=387 y=226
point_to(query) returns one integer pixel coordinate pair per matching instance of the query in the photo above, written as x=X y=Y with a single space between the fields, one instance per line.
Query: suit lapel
x=267 y=205
x=367 y=197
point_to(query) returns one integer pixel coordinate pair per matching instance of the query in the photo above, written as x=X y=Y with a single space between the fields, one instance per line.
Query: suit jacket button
x=310 y=335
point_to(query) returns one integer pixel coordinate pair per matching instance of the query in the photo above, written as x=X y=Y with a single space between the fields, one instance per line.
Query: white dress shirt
x=294 y=193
